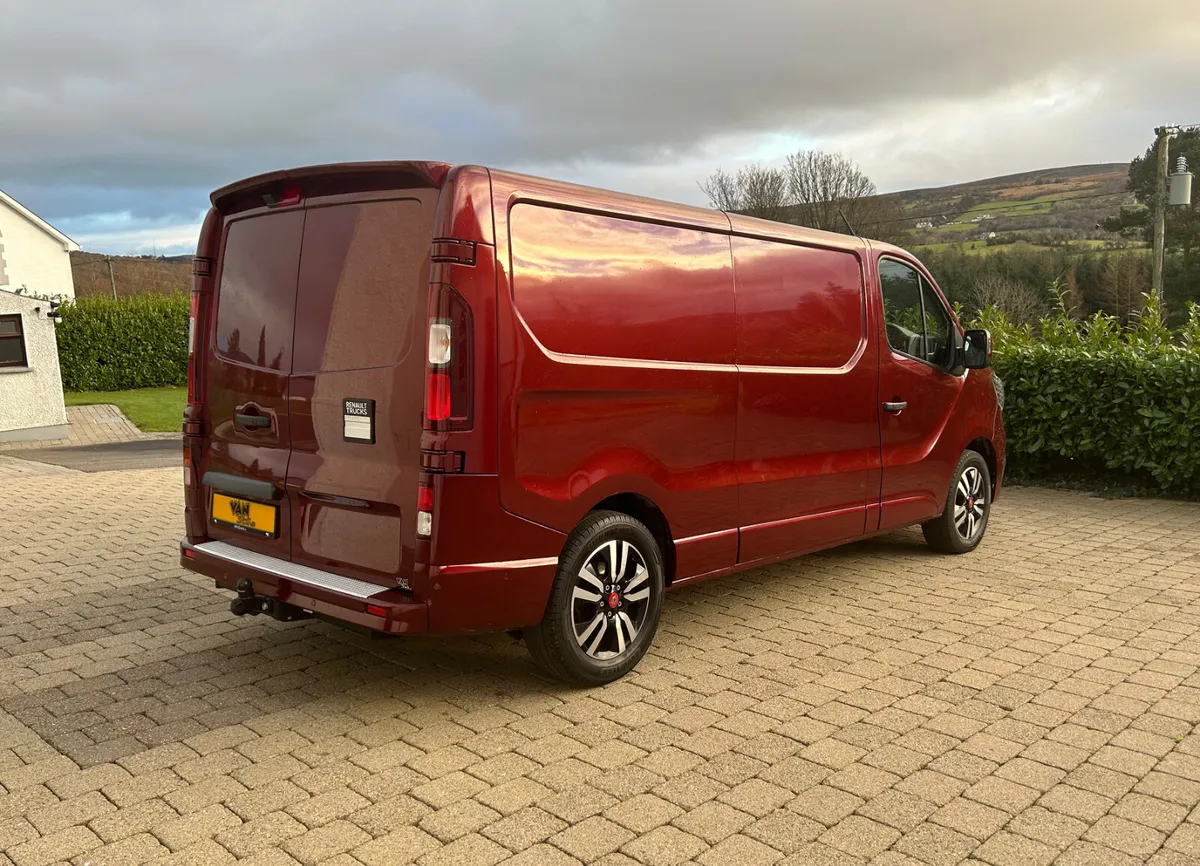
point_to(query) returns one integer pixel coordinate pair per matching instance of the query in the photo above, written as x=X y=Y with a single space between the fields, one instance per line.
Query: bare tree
x=827 y=190
x=1022 y=303
x=815 y=189
x=756 y=190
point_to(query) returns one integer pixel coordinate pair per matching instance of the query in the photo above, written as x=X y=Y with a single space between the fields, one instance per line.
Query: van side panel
x=616 y=368
x=808 y=439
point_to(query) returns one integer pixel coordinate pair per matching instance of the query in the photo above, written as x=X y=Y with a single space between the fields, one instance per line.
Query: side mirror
x=977 y=349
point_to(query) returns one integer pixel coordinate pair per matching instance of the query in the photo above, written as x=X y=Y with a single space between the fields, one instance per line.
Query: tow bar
x=248 y=603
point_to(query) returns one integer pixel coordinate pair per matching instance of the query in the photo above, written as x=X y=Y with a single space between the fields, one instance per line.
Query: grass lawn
x=153 y=410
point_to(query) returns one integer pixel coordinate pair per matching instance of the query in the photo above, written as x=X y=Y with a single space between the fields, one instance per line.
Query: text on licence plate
x=253 y=517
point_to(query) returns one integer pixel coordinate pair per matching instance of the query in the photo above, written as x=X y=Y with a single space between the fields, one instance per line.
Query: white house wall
x=31 y=397
x=32 y=258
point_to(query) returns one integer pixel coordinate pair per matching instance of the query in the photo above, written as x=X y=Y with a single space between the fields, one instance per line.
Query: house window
x=12 y=342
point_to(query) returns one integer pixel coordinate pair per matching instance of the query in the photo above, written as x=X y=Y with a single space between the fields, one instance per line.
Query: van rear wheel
x=605 y=603
x=960 y=526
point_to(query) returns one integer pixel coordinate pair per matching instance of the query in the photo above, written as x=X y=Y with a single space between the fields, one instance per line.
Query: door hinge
x=442 y=461
x=454 y=251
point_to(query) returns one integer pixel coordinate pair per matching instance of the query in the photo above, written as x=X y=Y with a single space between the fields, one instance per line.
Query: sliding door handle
x=897 y=406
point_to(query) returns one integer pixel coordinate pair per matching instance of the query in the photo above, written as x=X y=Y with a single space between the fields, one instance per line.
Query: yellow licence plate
x=243 y=514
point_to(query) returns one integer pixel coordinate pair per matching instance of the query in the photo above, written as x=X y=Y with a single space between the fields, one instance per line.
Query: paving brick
x=62 y=845
x=68 y=813
x=524 y=828
x=757 y=797
x=544 y=855
x=1010 y=849
x=1124 y=835
x=1002 y=794
x=140 y=848
x=473 y=849
x=936 y=845
x=591 y=838
x=663 y=846
x=267 y=831
x=322 y=843
x=860 y=837
x=186 y=830
x=1185 y=840
x=825 y=804
x=129 y=820
x=404 y=845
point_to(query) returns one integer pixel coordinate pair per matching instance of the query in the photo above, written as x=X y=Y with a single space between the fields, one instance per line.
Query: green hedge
x=115 y=345
x=1096 y=395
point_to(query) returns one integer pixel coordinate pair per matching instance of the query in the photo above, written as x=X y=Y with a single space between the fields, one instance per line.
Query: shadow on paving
x=110 y=456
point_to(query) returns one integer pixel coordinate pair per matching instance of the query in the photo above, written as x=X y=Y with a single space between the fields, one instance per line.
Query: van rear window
x=364 y=275
x=256 y=300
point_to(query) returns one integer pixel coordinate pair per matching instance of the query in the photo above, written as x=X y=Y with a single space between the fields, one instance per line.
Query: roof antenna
x=847 y=222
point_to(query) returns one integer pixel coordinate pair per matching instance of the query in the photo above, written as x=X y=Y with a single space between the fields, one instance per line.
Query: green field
x=152 y=410
x=981 y=248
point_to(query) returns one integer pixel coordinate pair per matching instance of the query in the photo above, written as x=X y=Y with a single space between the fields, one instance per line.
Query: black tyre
x=960 y=526
x=605 y=603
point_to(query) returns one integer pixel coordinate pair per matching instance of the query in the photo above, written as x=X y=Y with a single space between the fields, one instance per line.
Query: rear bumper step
x=334 y=596
x=290 y=571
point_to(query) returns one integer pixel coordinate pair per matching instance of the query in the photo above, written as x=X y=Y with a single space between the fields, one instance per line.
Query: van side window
x=901 y=287
x=917 y=322
x=797 y=306
x=937 y=327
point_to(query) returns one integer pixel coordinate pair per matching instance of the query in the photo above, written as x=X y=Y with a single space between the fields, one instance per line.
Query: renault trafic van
x=426 y=399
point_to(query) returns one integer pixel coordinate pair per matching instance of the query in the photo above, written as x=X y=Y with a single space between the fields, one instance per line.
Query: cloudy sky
x=117 y=119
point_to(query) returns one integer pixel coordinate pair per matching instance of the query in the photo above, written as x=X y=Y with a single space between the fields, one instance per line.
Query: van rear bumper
x=320 y=592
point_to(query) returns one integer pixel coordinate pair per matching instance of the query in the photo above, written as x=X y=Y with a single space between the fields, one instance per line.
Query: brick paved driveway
x=1032 y=703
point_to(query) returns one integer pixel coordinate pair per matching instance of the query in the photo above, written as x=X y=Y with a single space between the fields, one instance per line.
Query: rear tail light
x=187 y=466
x=424 y=511
x=191 y=380
x=448 y=386
x=437 y=397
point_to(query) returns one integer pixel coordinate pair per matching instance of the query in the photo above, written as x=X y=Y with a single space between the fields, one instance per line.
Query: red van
x=426 y=399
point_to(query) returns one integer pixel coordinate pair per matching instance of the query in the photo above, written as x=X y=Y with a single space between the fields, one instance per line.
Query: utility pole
x=1165 y=134
x=111 y=279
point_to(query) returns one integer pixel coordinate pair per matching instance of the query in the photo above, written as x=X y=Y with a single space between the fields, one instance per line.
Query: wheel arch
x=984 y=448
x=645 y=510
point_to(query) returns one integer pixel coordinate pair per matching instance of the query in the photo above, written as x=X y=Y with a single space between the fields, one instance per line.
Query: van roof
x=435 y=173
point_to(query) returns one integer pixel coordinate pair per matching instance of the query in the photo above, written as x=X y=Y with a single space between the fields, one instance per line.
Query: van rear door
x=249 y=361
x=357 y=385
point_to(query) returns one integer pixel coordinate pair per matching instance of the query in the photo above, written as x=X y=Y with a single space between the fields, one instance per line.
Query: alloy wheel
x=610 y=599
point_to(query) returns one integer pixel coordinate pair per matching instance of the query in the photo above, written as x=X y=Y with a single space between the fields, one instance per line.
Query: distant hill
x=1044 y=207
x=130 y=274
x=1047 y=206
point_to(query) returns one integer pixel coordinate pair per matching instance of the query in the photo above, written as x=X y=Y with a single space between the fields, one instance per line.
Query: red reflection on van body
x=435 y=399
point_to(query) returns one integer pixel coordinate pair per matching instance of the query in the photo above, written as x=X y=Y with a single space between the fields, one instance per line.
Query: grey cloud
x=136 y=96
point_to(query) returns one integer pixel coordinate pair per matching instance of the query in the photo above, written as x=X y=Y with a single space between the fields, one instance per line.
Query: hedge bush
x=1096 y=394
x=114 y=345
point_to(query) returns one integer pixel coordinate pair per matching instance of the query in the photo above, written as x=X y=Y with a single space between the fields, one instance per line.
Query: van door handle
x=897 y=406
x=243 y=420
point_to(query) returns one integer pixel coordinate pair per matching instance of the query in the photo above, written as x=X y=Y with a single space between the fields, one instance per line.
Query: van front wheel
x=605 y=603
x=960 y=526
